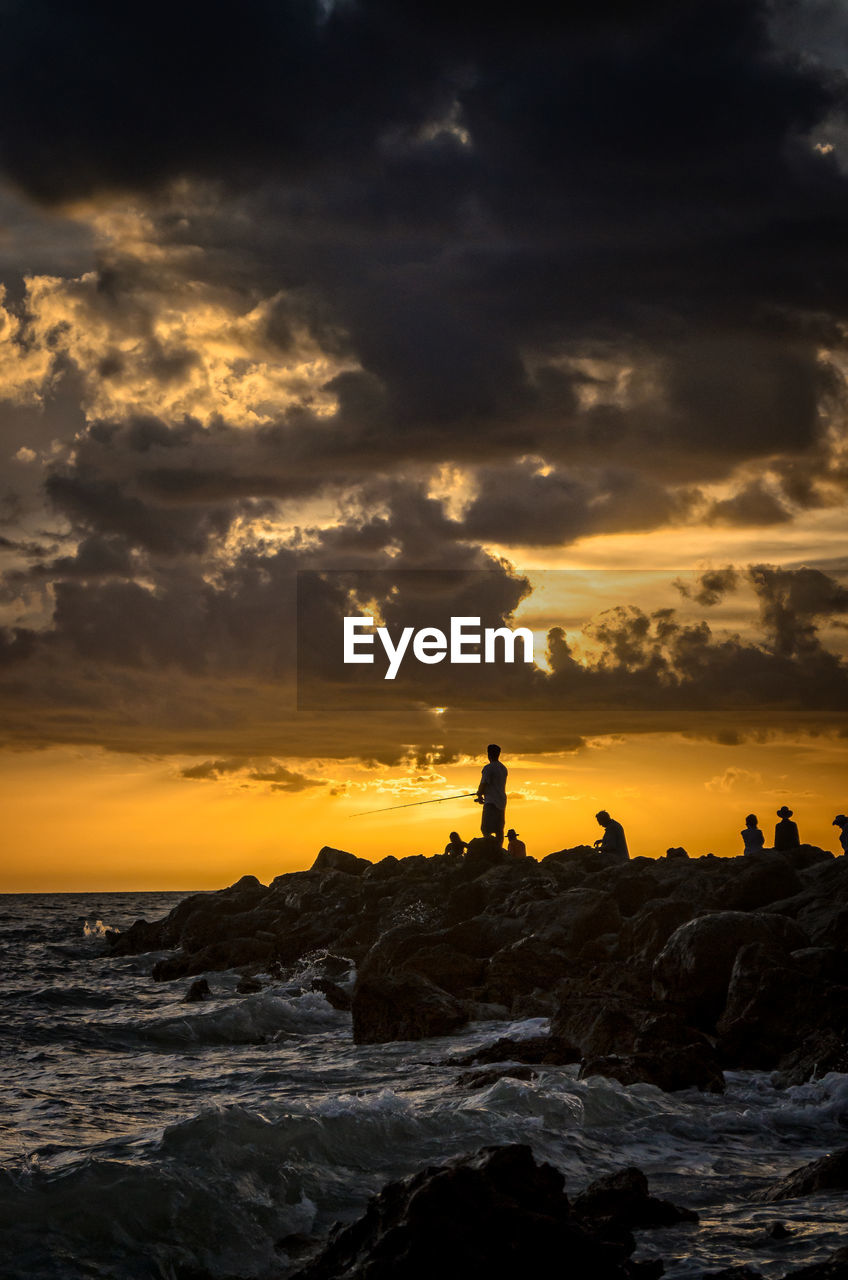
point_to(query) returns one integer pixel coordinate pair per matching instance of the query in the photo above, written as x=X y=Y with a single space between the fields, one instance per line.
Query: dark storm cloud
x=17 y=644
x=710 y=587
x=792 y=603
x=278 y=776
x=587 y=251
x=523 y=504
x=478 y=202
x=660 y=663
x=753 y=505
x=138 y=669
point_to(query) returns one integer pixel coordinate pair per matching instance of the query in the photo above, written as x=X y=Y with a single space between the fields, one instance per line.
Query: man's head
x=512 y=832
x=784 y=812
x=840 y=820
x=603 y=818
x=493 y=751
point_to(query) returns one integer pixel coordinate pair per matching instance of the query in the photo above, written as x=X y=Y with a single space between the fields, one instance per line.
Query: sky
x=540 y=316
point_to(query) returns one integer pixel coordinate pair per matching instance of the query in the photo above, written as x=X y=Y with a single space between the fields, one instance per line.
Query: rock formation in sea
x=667 y=970
x=497 y=1214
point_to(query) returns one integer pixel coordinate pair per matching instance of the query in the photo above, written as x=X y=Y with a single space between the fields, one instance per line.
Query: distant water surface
x=147 y=1139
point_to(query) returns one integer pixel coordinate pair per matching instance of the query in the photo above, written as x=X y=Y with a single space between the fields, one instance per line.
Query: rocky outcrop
x=776 y=1001
x=661 y=969
x=692 y=1066
x=537 y=1050
x=693 y=969
x=403 y=1006
x=496 y=1214
x=818 y=1054
x=337 y=860
x=623 y=1198
x=830 y=1173
x=833 y=1268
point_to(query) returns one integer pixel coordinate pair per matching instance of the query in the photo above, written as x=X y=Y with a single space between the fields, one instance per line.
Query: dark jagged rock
x=386 y=869
x=694 y=967
x=808 y=855
x=820 y=1053
x=601 y=1010
x=632 y=892
x=601 y=946
x=199 y=990
x=830 y=1173
x=574 y=918
x=645 y=934
x=625 y=1034
x=337 y=860
x=496 y=1215
x=833 y=1268
x=403 y=1006
x=583 y=857
x=248 y=986
x=523 y=967
x=452 y=970
x=333 y=994
x=681 y=1067
x=772 y=1003
x=536 y=1050
x=483 y=852
x=764 y=878
x=220 y=955
x=624 y=1197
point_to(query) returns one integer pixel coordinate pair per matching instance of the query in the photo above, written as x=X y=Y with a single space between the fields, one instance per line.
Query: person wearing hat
x=842 y=822
x=786 y=832
x=515 y=848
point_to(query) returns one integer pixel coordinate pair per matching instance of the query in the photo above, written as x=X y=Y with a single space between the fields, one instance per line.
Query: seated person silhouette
x=753 y=838
x=613 y=840
x=842 y=822
x=515 y=848
x=456 y=846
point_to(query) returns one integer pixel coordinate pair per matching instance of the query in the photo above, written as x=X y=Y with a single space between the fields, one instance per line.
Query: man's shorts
x=493 y=821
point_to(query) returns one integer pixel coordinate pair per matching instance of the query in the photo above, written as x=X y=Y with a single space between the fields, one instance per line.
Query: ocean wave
x=238 y=1179
x=74 y=996
x=246 y=1020
x=108 y=1218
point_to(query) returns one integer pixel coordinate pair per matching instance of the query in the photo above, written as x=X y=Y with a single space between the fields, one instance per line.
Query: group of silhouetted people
x=786 y=835
x=491 y=794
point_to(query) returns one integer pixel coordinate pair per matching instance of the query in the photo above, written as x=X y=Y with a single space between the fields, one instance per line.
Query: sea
x=145 y=1138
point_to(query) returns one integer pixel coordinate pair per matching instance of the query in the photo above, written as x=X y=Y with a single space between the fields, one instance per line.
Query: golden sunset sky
x=555 y=302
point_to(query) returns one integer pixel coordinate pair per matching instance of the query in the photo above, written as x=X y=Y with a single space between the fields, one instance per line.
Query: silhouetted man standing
x=491 y=793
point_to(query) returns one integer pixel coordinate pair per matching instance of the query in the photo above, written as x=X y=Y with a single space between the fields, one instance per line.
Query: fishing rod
x=413 y=804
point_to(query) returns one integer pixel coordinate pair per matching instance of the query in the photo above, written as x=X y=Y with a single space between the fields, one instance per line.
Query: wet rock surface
x=662 y=970
x=496 y=1214
x=830 y=1173
x=623 y=1198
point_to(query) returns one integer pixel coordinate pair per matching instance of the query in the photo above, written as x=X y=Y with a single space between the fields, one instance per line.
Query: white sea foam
x=247 y=1020
x=96 y=930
